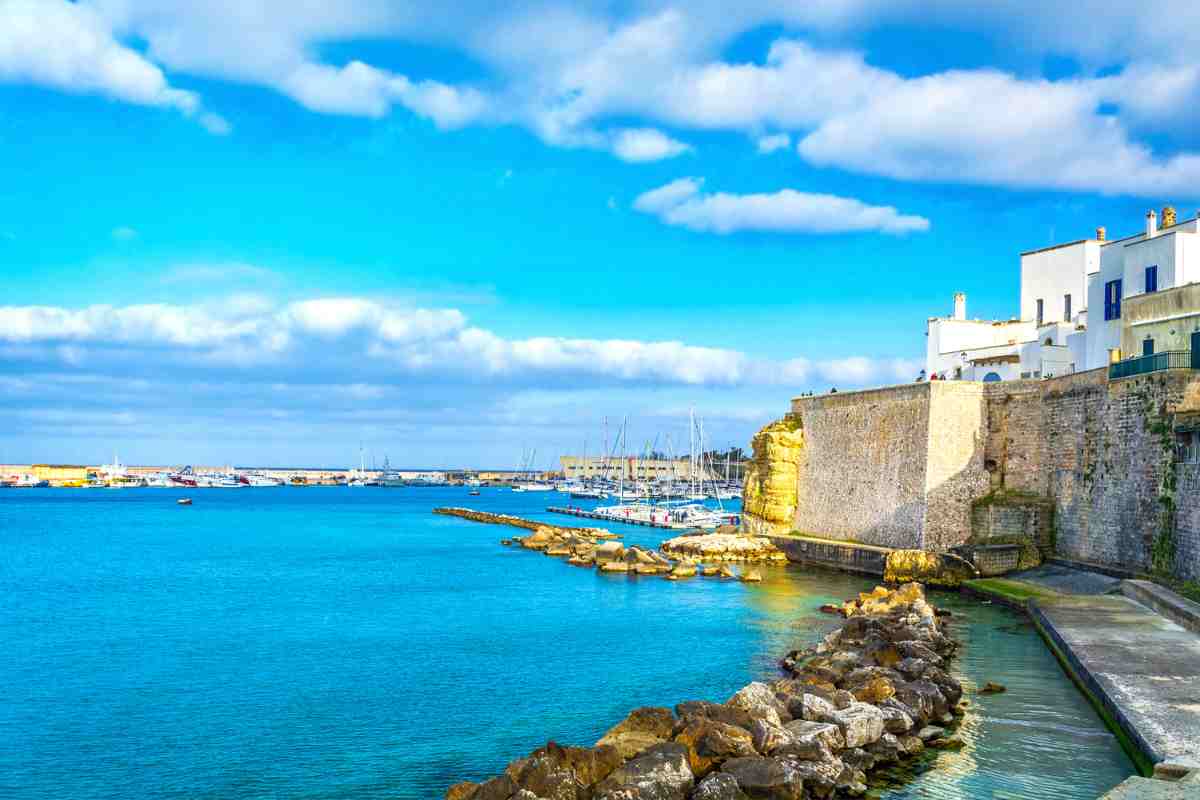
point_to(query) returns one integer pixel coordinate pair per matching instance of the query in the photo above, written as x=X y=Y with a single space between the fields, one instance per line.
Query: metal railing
x=1167 y=359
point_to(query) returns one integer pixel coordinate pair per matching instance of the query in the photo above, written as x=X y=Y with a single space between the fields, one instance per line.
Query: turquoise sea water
x=345 y=643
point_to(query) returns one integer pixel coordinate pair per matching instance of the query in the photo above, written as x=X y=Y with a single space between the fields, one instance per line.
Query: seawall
x=1084 y=467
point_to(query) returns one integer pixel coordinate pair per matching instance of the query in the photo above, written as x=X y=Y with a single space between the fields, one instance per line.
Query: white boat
x=257 y=480
x=533 y=486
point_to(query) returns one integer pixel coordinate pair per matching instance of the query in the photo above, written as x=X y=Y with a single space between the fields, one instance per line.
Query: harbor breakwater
x=683 y=556
x=874 y=692
x=1079 y=466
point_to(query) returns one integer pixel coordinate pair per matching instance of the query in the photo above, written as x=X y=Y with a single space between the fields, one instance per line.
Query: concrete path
x=1068 y=580
x=1144 y=668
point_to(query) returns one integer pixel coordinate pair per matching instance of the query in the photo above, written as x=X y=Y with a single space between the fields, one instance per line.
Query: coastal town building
x=632 y=469
x=1084 y=304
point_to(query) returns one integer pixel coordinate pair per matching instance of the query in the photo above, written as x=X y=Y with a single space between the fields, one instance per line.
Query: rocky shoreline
x=874 y=692
x=684 y=556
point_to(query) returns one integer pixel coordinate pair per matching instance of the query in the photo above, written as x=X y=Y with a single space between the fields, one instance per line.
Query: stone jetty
x=874 y=692
x=681 y=557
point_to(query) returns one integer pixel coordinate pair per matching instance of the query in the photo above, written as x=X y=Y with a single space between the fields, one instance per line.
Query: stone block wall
x=1187 y=521
x=955 y=471
x=1012 y=518
x=904 y=466
x=861 y=473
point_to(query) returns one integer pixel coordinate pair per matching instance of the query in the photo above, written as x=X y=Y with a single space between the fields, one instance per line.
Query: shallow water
x=345 y=643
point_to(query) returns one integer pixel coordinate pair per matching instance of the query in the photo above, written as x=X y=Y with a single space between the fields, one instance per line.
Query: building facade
x=1083 y=305
x=631 y=469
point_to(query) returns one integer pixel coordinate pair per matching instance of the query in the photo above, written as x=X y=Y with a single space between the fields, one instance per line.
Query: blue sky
x=261 y=233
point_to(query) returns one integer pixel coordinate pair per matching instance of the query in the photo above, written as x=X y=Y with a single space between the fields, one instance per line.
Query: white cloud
x=69 y=46
x=568 y=72
x=369 y=342
x=682 y=203
x=646 y=144
x=776 y=141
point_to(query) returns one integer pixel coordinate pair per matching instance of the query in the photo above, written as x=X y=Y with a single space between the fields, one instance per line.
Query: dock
x=579 y=512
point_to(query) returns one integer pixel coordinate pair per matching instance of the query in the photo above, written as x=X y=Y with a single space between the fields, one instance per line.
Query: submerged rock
x=992 y=688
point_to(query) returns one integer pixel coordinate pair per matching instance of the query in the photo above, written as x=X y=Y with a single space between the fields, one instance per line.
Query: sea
x=345 y=642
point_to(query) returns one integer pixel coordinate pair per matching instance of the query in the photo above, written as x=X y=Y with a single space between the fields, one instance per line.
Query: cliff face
x=769 y=496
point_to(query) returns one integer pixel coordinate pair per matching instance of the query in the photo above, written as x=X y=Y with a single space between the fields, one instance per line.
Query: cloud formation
x=70 y=47
x=328 y=339
x=567 y=72
x=682 y=203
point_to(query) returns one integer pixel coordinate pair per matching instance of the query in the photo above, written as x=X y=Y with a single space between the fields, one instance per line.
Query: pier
x=580 y=512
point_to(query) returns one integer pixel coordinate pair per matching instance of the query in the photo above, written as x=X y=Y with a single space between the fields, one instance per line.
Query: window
x=1152 y=278
x=1112 y=299
x=1066 y=308
x=1040 y=316
x=1187 y=447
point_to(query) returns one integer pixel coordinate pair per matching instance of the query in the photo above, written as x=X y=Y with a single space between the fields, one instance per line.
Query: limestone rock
x=933 y=569
x=642 y=728
x=461 y=791
x=769 y=494
x=861 y=724
x=766 y=778
x=827 y=733
x=895 y=720
x=501 y=787
x=660 y=773
x=710 y=743
x=760 y=702
x=718 y=786
x=991 y=688
x=555 y=772
x=750 y=576
x=613 y=566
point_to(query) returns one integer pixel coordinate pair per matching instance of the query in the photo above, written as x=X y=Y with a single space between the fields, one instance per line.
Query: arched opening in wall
x=1048 y=341
x=991 y=377
x=990 y=465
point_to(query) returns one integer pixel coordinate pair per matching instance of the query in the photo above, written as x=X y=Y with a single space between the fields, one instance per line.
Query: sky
x=273 y=233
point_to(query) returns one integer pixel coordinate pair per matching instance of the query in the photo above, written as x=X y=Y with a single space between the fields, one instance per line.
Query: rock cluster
x=724 y=546
x=582 y=549
x=873 y=692
x=932 y=569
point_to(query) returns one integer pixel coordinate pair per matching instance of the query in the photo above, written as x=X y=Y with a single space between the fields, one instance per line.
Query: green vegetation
x=1030 y=557
x=1018 y=592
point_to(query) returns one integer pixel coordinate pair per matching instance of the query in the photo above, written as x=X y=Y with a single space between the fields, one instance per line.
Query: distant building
x=60 y=473
x=1083 y=305
x=630 y=469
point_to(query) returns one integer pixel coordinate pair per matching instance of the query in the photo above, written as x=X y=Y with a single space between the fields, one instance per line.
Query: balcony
x=1155 y=362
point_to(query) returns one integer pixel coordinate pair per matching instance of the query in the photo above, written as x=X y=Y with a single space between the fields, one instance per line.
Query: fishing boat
x=184 y=501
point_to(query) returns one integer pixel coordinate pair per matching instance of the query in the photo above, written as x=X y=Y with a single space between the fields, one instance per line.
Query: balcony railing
x=1167 y=359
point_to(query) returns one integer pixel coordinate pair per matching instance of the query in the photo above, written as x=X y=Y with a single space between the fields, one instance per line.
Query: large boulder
x=501 y=787
x=706 y=709
x=861 y=724
x=461 y=790
x=923 y=697
x=764 y=778
x=758 y=700
x=816 y=709
x=827 y=733
x=709 y=743
x=718 y=786
x=609 y=551
x=659 y=773
x=932 y=569
x=822 y=778
x=643 y=728
x=555 y=772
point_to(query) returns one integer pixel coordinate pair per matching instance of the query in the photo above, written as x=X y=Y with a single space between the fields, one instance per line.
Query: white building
x=1059 y=285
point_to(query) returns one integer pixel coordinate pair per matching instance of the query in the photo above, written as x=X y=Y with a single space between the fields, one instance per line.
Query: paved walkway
x=1068 y=580
x=1144 y=668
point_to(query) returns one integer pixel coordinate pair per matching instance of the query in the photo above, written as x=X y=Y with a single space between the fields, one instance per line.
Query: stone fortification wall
x=955 y=471
x=861 y=473
x=1102 y=452
x=1187 y=522
x=1090 y=461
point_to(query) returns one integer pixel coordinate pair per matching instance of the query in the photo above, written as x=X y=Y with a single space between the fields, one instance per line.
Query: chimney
x=960 y=305
x=1151 y=224
x=1101 y=233
x=1168 y=216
